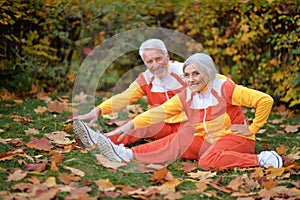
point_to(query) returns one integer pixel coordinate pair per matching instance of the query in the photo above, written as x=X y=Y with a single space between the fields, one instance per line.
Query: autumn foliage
x=40 y=158
x=255 y=42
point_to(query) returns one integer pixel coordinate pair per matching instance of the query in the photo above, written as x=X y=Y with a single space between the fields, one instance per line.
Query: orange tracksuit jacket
x=213 y=110
x=157 y=91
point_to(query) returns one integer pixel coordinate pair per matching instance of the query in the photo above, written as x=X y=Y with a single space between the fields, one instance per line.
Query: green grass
x=272 y=138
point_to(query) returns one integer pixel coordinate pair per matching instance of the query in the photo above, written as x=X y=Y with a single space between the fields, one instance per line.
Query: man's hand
x=123 y=131
x=92 y=116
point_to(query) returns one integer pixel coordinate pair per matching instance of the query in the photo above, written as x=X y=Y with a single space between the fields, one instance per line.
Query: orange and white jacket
x=156 y=90
x=214 y=109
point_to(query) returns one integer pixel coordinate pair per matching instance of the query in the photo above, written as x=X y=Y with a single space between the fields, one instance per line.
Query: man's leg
x=155 y=131
x=166 y=149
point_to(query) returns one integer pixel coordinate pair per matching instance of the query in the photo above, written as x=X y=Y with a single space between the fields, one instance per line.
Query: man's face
x=156 y=62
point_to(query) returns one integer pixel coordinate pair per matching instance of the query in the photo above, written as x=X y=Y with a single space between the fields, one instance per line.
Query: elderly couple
x=196 y=114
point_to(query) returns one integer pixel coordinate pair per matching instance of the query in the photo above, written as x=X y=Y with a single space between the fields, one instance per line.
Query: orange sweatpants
x=228 y=152
x=155 y=131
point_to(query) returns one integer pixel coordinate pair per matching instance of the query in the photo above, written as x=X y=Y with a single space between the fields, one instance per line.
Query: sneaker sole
x=83 y=133
x=107 y=149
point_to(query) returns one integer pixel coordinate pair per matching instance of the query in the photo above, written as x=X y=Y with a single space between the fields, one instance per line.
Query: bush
x=255 y=42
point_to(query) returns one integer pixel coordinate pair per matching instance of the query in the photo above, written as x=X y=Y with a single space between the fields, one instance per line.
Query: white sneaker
x=270 y=158
x=113 y=152
x=87 y=136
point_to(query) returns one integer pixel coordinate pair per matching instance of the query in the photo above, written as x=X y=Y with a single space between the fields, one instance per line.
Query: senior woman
x=217 y=133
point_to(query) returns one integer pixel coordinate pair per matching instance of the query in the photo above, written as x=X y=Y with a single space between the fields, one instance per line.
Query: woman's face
x=156 y=61
x=195 y=78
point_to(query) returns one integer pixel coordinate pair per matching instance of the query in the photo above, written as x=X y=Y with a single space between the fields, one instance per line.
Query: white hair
x=153 y=44
x=204 y=62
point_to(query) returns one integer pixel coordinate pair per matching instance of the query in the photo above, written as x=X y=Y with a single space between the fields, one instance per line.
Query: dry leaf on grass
x=40 y=144
x=107 y=163
x=17 y=175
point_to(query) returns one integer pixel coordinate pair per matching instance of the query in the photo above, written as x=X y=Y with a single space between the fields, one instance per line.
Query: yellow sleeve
x=158 y=114
x=262 y=102
x=119 y=101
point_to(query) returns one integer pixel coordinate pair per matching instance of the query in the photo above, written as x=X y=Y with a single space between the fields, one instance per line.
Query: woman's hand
x=242 y=129
x=123 y=131
x=92 y=115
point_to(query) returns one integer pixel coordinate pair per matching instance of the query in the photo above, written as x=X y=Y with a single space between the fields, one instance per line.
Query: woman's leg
x=166 y=149
x=197 y=148
x=228 y=152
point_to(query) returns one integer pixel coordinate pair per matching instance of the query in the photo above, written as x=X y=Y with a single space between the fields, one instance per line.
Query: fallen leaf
x=54 y=167
x=142 y=193
x=79 y=190
x=173 y=196
x=16 y=142
x=40 y=110
x=275 y=172
x=40 y=144
x=269 y=184
x=261 y=131
x=50 y=182
x=6 y=95
x=291 y=129
x=67 y=178
x=10 y=155
x=21 y=186
x=267 y=194
x=160 y=174
x=102 y=160
x=235 y=183
x=282 y=150
x=34 y=89
x=20 y=119
x=105 y=185
x=294 y=192
x=203 y=184
x=202 y=174
x=35 y=167
x=34 y=180
x=258 y=173
x=18 y=101
x=243 y=195
x=46 y=194
x=57 y=106
x=188 y=167
x=169 y=185
x=56 y=156
x=75 y=171
x=81 y=98
x=211 y=193
x=31 y=131
x=250 y=183
x=60 y=137
x=111 y=195
x=276 y=121
x=17 y=175
x=219 y=187
x=43 y=96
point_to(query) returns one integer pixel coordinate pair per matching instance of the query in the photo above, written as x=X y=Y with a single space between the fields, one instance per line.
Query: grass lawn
x=40 y=159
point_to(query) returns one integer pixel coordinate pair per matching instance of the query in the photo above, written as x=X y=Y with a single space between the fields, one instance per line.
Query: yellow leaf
x=105 y=185
x=170 y=185
x=50 y=182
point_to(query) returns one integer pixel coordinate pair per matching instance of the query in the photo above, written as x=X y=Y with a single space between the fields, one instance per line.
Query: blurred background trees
x=43 y=42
